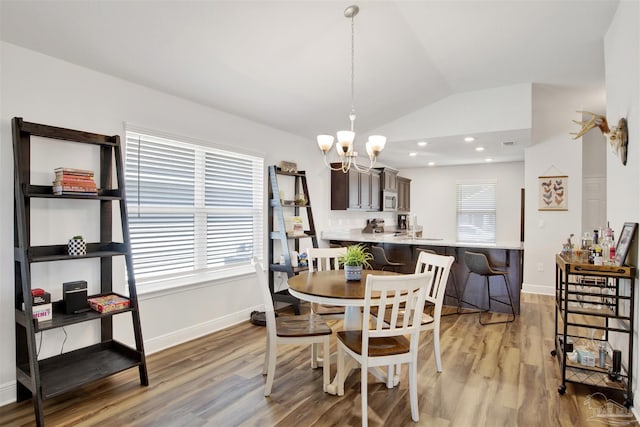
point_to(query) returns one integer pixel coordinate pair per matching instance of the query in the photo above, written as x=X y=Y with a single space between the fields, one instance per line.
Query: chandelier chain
x=352 y=116
x=345 y=145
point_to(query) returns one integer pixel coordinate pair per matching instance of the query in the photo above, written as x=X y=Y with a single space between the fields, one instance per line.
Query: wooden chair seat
x=301 y=326
x=380 y=346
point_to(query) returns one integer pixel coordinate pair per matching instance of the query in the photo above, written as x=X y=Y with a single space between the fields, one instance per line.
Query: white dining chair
x=440 y=266
x=391 y=342
x=311 y=330
x=324 y=259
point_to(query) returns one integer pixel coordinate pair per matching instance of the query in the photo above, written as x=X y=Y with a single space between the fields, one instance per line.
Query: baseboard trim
x=174 y=338
x=538 y=289
x=8 y=393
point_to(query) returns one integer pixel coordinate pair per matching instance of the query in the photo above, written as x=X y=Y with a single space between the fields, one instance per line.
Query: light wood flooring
x=498 y=375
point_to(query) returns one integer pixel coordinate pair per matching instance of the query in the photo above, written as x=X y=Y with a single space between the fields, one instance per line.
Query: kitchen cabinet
x=355 y=190
x=404 y=194
x=388 y=179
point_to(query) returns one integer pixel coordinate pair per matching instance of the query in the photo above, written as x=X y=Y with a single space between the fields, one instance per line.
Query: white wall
x=46 y=90
x=433 y=197
x=553 y=152
x=622 y=65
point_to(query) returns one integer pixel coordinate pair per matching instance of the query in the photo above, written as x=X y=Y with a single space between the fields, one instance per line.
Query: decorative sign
x=624 y=241
x=553 y=193
x=289 y=167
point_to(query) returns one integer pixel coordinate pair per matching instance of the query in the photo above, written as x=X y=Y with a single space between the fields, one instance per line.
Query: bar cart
x=594 y=310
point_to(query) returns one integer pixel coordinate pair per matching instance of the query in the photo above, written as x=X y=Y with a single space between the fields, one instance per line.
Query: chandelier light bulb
x=325 y=142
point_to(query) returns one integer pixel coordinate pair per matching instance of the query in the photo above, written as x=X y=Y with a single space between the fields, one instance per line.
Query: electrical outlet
x=540 y=266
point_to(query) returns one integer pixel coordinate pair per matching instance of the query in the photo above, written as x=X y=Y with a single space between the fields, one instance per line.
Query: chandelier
x=345 y=138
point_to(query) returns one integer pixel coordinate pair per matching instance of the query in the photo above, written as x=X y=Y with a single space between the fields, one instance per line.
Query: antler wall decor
x=618 y=137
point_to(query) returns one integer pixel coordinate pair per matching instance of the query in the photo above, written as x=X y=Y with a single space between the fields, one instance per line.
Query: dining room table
x=331 y=288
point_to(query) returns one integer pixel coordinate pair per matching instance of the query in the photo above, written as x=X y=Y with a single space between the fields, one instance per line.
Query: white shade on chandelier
x=346 y=138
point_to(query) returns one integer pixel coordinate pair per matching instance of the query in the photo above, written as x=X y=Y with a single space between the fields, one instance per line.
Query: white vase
x=352 y=272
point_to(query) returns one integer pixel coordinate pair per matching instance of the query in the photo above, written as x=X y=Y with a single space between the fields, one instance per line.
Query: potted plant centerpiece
x=356 y=257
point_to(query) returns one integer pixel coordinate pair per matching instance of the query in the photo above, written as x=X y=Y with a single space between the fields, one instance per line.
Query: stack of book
x=74 y=181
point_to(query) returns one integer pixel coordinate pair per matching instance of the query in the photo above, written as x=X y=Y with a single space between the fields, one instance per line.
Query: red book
x=108 y=303
x=75 y=182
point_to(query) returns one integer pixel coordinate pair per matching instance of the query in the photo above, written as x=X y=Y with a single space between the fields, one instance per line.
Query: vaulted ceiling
x=287 y=63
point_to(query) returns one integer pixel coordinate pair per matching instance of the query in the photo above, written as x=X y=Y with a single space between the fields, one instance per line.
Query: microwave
x=389 y=201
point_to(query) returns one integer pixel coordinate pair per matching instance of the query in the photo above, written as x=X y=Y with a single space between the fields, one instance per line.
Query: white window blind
x=191 y=208
x=476 y=212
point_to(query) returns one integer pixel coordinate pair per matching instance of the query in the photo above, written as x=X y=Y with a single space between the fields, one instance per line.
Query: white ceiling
x=287 y=63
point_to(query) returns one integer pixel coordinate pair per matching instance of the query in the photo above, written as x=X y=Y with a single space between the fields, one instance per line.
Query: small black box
x=74 y=295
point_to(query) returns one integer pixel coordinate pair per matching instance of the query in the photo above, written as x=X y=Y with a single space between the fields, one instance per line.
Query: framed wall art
x=624 y=241
x=553 y=193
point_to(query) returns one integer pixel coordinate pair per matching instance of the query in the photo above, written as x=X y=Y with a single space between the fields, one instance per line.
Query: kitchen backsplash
x=347 y=220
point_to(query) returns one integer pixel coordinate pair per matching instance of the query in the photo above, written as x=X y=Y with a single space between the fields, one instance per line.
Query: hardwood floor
x=498 y=375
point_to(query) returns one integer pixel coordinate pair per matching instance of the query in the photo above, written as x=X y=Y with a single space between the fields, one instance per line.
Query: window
x=476 y=212
x=192 y=208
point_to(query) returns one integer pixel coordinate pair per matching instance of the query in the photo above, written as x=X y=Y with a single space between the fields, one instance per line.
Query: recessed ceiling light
x=469 y=139
x=422 y=143
x=488 y=159
x=413 y=154
x=479 y=148
x=431 y=163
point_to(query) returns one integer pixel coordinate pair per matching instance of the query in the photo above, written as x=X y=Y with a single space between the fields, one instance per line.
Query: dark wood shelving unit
x=42 y=379
x=278 y=233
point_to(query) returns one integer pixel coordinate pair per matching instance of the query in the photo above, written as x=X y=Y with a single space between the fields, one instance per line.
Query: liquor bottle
x=595 y=251
x=592 y=247
x=607 y=245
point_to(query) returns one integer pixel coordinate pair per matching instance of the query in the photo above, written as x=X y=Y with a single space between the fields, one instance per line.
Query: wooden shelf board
x=46 y=191
x=68 y=371
x=59 y=252
x=60 y=318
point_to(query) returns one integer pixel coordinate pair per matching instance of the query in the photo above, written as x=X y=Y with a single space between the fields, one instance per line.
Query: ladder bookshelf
x=279 y=209
x=40 y=379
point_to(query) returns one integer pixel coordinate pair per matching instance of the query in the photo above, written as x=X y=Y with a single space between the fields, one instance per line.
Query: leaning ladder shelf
x=278 y=231
x=53 y=376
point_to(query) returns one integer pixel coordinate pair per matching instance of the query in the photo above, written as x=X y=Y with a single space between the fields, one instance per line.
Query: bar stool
x=380 y=259
x=478 y=264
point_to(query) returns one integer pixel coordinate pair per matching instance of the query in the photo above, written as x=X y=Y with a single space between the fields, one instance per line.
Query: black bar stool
x=380 y=260
x=478 y=264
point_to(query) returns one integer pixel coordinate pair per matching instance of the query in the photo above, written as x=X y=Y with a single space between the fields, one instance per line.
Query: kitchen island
x=507 y=256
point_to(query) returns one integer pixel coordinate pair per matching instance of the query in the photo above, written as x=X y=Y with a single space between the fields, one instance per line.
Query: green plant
x=77 y=237
x=356 y=255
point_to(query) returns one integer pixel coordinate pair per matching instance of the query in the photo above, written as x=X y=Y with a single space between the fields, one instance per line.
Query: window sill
x=160 y=287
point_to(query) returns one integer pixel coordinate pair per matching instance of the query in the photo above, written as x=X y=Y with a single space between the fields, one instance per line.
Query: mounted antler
x=596 y=120
x=618 y=136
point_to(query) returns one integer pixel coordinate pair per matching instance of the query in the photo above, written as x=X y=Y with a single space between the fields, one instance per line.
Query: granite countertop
x=390 y=237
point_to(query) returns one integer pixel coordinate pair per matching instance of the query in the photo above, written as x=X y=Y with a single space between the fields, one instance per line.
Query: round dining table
x=330 y=287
